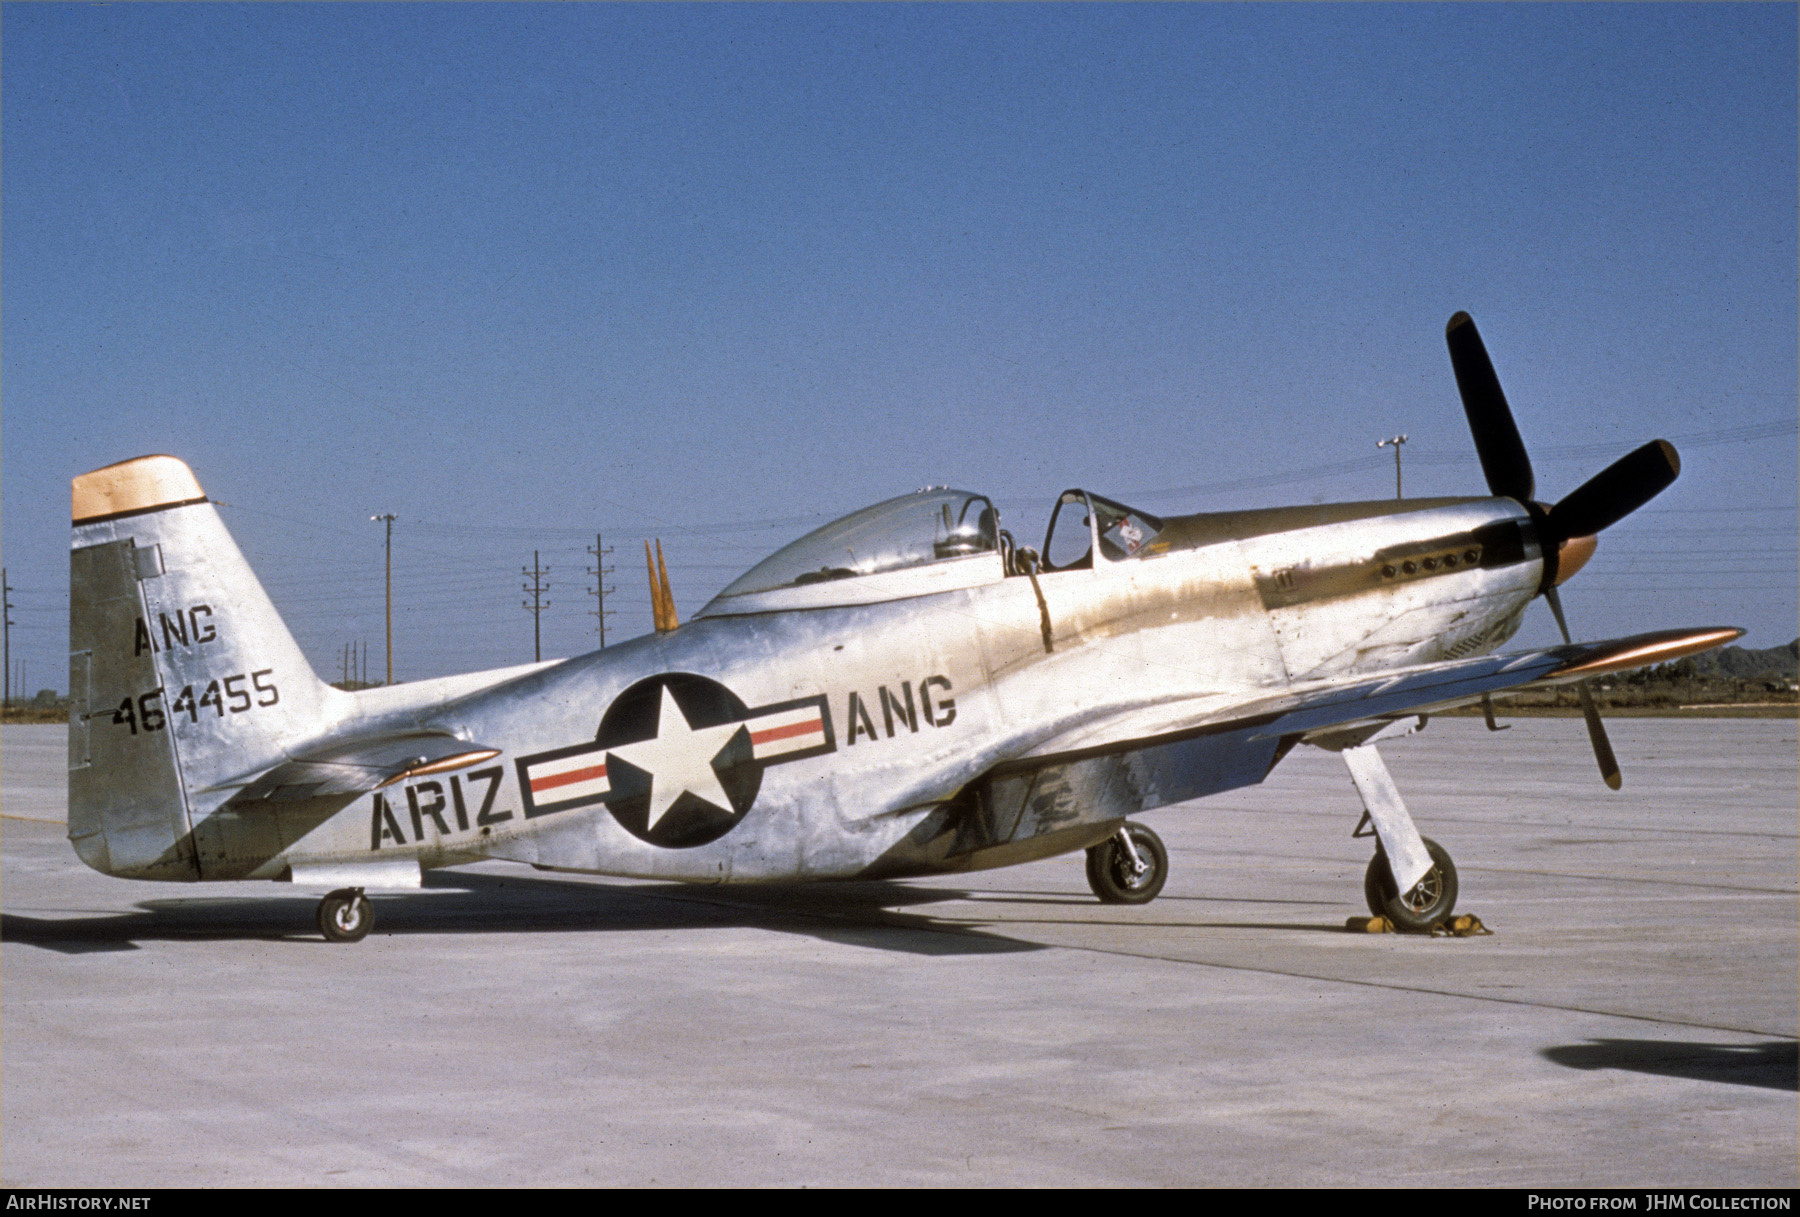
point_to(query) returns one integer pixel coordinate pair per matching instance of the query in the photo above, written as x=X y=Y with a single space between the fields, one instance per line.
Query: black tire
x=1109 y=870
x=346 y=916
x=1427 y=904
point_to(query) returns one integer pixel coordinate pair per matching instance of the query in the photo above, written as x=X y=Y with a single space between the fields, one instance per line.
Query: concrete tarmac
x=1631 y=1023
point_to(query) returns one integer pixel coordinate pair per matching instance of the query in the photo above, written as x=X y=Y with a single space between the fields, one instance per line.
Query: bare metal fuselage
x=992 y=723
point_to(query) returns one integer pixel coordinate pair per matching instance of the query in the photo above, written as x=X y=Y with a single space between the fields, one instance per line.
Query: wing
x=1342 y=703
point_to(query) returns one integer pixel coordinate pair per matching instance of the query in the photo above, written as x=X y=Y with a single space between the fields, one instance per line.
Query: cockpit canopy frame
x=935 y=539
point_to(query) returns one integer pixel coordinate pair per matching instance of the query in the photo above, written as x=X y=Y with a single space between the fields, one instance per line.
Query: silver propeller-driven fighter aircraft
x=906 y=691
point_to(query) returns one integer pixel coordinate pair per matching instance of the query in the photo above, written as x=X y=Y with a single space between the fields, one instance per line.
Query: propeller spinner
x=1566 y=530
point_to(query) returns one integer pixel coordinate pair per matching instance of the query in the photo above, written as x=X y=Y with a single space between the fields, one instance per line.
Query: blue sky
x=717 y=274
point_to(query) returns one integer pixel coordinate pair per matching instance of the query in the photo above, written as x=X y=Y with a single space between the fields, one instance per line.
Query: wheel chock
x=1463 y=925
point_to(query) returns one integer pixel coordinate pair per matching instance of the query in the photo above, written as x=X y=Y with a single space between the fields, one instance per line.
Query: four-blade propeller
x=1566 y=529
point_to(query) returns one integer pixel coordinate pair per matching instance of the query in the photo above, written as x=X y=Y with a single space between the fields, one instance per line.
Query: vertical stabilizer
x=183 y=678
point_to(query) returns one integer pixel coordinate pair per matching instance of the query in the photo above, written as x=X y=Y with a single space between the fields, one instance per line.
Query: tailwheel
x=346 y=915
x=1129 y=867
x=1427 y=904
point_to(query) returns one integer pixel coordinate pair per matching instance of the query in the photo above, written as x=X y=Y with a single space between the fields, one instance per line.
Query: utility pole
x=600 y=571
x=1395 y=444
x=537 y=604
x=6 y=616
x=390 y=517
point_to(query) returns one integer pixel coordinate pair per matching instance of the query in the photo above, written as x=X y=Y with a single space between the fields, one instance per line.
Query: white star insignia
x=679 y=759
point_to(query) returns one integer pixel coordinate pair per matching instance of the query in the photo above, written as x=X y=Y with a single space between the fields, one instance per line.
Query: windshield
x=1123 y=531
x=913 y=530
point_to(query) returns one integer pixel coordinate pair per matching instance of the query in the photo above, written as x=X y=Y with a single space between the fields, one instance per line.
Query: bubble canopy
x=914 y=530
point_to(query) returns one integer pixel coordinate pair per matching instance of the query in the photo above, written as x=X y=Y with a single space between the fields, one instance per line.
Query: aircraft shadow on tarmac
x=1774 y=1064
x=855 y=914
x=1163 y=903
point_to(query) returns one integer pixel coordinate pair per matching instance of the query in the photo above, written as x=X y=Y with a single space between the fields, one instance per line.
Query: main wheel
x=1430 y=899
x=346 y=916
x=1116 y=879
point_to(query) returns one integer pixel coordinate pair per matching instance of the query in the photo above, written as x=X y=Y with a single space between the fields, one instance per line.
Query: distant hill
x=1750 y=664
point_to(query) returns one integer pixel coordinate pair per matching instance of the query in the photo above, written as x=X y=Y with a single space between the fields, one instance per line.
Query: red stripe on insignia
x=565 y=779
x=787 y=732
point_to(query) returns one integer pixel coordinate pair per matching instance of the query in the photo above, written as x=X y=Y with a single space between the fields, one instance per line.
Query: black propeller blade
x=1603 y=751
x=1497 y=441
x=1600 y=502
x=1616 y=491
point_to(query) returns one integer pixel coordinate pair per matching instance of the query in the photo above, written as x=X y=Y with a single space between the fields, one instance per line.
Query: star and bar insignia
x=678 y=759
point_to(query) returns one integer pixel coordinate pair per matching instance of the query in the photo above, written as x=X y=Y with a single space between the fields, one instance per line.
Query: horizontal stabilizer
x=361 y=765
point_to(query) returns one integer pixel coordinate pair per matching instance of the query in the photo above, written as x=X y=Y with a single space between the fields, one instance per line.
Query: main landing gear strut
x=1411 y=880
